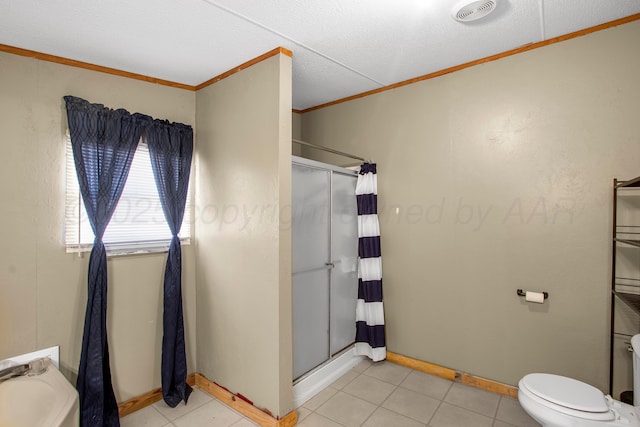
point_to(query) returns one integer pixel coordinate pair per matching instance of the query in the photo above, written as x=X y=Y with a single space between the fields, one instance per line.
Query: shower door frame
x=331 y=169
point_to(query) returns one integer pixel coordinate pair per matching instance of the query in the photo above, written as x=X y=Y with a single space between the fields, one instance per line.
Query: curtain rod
x=330 y=150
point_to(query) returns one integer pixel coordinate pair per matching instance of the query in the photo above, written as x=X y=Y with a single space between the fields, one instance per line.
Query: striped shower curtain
x=370 y=338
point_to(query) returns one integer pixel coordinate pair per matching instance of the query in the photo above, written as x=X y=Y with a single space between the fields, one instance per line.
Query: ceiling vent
x=472 y=11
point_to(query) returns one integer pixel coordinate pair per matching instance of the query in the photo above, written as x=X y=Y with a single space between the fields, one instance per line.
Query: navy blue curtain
x=103 y=142
x=171 y=150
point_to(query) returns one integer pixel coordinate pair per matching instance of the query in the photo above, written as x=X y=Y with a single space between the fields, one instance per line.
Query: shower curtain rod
x=330 y=150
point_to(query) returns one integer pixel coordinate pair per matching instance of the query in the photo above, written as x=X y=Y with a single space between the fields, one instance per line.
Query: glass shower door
x=324 y=263
x=344 y=256
x=311 y=196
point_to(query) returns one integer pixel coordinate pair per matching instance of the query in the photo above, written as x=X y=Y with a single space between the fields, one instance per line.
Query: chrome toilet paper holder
x=522 y=293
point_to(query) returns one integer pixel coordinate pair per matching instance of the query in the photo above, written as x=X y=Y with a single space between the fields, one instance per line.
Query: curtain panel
x=171 y=150
x=103 y=143
x=370 y=333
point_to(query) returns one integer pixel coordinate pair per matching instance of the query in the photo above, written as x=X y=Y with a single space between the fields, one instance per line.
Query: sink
x=46 y=399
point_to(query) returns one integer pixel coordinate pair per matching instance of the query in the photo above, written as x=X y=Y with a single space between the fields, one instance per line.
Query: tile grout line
x=495 y=416
x=385 y=399
x=169 y=422
x=193 y=408
x=440 y=404
x=471 y=410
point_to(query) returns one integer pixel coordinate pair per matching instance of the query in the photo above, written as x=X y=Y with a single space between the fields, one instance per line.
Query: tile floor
x=379 y=394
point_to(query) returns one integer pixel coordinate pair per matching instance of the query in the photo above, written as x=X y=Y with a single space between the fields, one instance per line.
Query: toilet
x=557 y=401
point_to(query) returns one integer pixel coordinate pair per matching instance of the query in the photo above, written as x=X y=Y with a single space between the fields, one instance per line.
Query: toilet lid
x=566 y=392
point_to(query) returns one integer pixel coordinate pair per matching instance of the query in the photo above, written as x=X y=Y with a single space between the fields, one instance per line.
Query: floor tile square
x=315 y=420
x=346 y=409
x=245 y=422
x=412 y=404
x=430 y=385
x=385 y=418
x=474 y=399
x=370 y=389
x=388 y=372
x=362 y=366
x=145 y=417
x=510 y=411
x=303 y=413
x=197 y=398
x=345 y=379
x=316 y=401
x=212 y=414
x=453 y=416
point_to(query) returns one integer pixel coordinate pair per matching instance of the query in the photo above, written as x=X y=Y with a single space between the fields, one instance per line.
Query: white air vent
x=474 y=10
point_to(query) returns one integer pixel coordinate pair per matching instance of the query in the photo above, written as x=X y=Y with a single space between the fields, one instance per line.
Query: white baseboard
x=324 y=375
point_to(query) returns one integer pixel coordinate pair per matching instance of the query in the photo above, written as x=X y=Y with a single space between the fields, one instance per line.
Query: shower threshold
x=316 y=380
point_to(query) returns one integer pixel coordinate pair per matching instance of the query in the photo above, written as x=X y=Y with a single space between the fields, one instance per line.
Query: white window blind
x=138 y=224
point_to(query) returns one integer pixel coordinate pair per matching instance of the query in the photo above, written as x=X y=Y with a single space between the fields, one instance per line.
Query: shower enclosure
x=325 y=251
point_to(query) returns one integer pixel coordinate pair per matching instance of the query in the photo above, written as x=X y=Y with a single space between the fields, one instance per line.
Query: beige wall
x=494 y=178
x=42 y=288
x=296 y=133
x=244 y=126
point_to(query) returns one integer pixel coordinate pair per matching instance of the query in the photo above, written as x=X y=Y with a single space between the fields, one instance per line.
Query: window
x=138 y=224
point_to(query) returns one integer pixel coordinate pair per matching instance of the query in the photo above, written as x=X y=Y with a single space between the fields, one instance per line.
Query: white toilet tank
x=635 y=343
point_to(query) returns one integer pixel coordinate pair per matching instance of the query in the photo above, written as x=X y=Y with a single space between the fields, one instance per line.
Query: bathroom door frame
x=300 y=161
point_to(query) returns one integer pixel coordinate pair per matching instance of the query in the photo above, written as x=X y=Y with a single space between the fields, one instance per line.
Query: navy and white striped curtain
x=370 y=336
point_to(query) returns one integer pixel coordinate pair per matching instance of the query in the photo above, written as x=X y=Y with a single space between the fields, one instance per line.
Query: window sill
x=130 y=249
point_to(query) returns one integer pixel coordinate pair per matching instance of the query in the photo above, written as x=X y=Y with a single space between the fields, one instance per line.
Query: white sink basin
x=47 y=399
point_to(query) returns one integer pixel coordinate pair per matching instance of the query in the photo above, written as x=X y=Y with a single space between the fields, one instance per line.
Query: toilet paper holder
x=522 y=293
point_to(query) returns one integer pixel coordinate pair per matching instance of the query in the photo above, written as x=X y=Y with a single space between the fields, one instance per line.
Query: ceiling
x=340 y=47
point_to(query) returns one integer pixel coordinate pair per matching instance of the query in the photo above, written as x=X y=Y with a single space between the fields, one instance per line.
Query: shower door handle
x=325 y=266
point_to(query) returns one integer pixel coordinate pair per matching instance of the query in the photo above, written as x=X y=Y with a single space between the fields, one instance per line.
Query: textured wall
x=42 y=288
x=494 y=178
